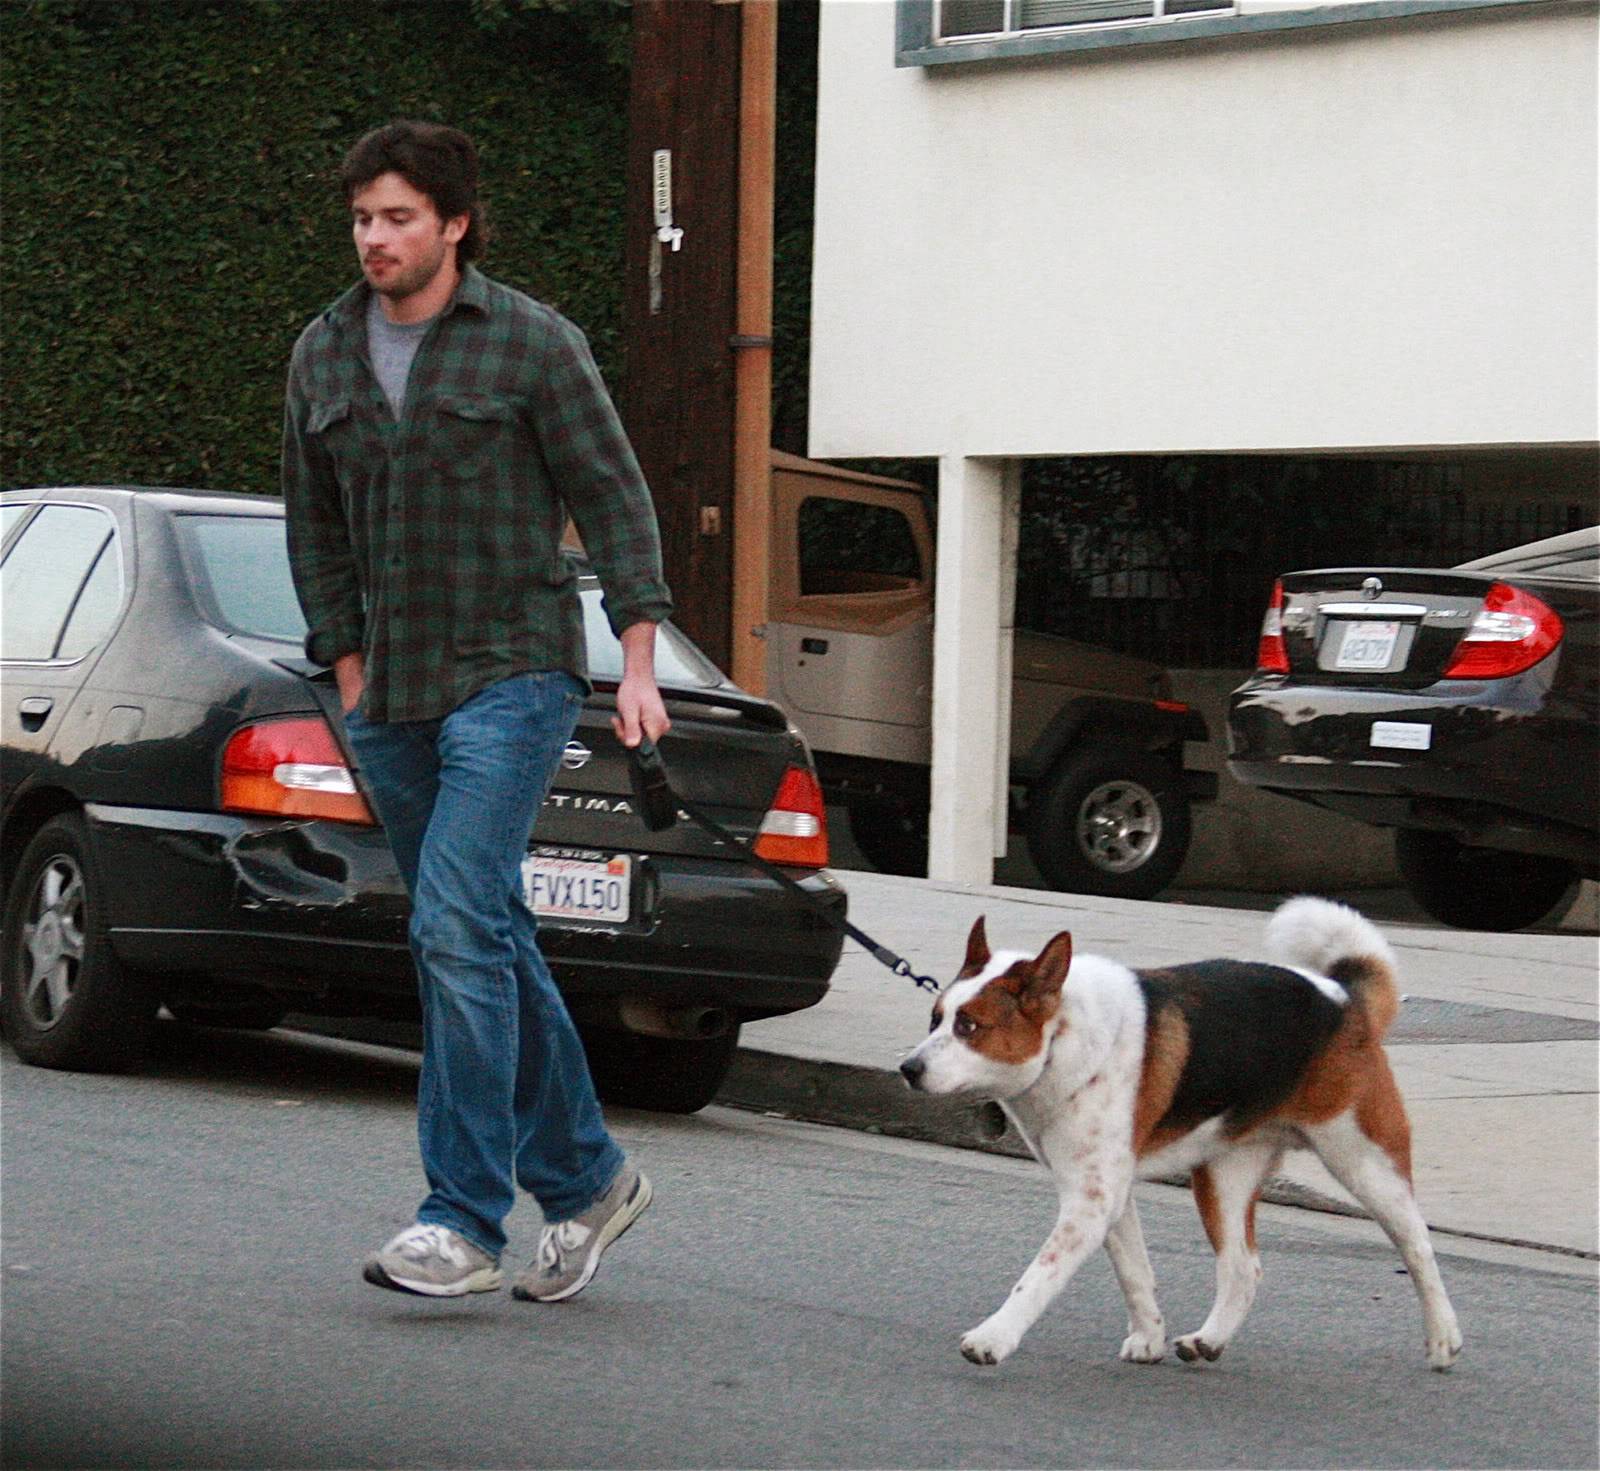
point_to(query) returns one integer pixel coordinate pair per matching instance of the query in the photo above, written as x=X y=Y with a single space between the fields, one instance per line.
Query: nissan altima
x=183 y=825
x=1460 y=707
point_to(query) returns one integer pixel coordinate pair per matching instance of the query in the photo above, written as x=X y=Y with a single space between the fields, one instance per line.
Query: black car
x=1460 y=707
x=182 y=824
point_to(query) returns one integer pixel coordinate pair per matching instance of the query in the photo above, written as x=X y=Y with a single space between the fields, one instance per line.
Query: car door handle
x=34 y=709
x=813 y=646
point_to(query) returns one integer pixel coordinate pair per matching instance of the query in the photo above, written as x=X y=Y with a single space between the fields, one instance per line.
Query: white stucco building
x=1083 y=227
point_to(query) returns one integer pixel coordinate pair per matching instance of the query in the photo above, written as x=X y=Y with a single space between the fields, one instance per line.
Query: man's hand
x=350 y=671
x=640 y=712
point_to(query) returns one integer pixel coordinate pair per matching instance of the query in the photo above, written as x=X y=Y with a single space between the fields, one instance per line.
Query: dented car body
x=212 y=850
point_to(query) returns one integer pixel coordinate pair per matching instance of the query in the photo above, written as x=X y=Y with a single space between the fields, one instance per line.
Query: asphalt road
x=181 y=1288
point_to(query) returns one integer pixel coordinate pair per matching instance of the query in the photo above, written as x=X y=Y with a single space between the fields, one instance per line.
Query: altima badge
x=575 y=755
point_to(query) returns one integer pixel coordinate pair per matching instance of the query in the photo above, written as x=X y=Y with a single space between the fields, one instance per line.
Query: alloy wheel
x=1119 y=825
x=52 y=942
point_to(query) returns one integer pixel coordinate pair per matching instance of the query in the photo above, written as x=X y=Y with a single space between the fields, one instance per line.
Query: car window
x=42 y=576
x=97 y=606
x=240 y=568
x=9 y=516
x=855 y=546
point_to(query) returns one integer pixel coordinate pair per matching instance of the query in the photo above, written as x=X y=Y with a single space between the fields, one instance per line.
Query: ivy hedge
x=173 y=218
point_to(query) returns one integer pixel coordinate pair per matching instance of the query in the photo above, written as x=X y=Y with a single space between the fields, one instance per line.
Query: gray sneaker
x=569 y=1251
x=433 y=1261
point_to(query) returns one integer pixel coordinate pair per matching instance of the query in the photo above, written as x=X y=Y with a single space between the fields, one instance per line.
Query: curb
x=874 y=1101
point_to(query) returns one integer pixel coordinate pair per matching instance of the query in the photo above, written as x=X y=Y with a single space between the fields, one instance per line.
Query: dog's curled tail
x=1334 y=941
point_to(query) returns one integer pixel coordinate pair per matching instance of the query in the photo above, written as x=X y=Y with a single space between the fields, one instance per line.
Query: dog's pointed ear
x=1049 y=971
x=977 y=949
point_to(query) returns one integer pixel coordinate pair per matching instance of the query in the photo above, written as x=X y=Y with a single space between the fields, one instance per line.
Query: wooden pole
x=679 y=304
x=752 y=432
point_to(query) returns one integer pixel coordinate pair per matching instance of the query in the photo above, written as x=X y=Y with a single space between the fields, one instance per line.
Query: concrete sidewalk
x=1495 y=1048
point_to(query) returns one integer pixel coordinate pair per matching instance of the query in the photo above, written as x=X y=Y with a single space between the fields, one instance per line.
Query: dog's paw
x=987 y=1344
x=1144 y=1348
x=1191 y=1348
x=1443 y=1349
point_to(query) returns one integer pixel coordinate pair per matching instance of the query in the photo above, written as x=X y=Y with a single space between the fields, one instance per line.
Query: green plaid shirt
x=432 y=542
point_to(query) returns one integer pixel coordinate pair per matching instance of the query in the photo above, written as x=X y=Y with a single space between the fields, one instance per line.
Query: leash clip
x=923 y=983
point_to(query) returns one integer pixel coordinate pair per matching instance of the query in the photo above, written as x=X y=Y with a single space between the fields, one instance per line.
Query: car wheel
x=891 y=838
x=1480 y=888
x=660 y=1073
x=1107 y=821
x=64 y=999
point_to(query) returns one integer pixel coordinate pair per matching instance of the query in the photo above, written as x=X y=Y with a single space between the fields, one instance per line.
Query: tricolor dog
x=1217 y=1068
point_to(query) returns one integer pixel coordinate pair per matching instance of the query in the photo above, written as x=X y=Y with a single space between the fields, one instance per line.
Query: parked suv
x=1100 y=750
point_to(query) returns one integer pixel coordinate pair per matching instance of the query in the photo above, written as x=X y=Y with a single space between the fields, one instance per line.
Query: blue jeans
x=505 y=1097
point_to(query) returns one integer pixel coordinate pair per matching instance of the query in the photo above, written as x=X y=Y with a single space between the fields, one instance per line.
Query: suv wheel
x=660 y=1073
x=1480 y=888
x=1109 y=821
x=893 y=839
x=64 y=999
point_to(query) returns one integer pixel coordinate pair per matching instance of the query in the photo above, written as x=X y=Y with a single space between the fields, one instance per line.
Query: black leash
x=658 y=806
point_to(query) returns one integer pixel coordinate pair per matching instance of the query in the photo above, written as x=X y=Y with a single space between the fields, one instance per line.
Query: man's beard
x=407 y=283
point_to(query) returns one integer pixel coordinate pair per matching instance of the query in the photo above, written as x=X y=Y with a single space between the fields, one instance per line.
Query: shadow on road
x=282 y=1060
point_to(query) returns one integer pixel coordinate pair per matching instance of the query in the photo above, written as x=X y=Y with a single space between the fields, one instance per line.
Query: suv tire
x=1480 y=888
x=891 y=837
x=1109 y=821
x=65 y=1000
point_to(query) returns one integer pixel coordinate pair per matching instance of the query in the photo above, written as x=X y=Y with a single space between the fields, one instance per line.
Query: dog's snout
x=912 y=1069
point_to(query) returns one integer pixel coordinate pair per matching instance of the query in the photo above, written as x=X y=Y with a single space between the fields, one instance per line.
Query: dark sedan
x=182 y=824
x=1460 y=707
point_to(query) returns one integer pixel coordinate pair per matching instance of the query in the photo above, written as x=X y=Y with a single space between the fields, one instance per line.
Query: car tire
x=1109 y=821
x=659 y=1073
x=1480 y=888
x=65 y=1001
x=892 y=838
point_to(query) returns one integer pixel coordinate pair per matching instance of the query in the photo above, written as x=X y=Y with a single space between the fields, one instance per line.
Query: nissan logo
x=1371 y=588
x=575 y=755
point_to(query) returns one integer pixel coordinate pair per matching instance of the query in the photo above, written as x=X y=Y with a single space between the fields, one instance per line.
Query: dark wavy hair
x=435 y=160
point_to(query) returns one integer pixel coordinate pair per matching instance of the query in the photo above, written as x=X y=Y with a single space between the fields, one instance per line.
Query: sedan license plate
x=1367 y=646
x=598 y=889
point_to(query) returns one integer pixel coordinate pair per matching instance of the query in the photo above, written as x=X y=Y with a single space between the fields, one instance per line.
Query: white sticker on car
x=1401 y=735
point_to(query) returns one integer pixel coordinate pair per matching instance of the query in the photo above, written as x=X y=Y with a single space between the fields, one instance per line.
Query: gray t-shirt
x=392 y=345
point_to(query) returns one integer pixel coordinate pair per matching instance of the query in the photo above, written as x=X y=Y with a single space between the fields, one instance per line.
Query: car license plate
x=598 y=889
x=1367 y=645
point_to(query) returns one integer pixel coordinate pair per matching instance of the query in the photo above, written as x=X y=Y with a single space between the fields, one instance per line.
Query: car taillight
x=795 y=830
x=1512 y=632
x=1272 y=654
x=290 y=768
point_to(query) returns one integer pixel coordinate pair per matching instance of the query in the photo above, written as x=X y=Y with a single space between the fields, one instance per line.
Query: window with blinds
x=971 y=20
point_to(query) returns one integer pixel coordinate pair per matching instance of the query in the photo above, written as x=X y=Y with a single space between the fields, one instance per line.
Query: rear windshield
x=678 y=661
x=1575 y=556
x=240 y=569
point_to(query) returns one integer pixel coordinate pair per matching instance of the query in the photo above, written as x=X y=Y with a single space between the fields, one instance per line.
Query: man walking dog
x=439 y=428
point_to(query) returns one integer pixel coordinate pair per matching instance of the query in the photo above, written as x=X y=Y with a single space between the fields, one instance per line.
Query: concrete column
x=975 y=599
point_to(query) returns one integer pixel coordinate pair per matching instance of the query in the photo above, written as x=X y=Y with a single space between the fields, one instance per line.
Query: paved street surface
x=180 y=1269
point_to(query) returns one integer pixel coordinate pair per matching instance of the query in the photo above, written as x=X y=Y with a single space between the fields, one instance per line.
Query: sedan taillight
x=795 y=830
x=1272 y=654
x=1513 y=631
x=291 y=768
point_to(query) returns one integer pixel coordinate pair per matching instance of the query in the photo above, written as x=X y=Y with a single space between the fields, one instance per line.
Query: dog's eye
x=933 y=1022
x=963 y=1026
